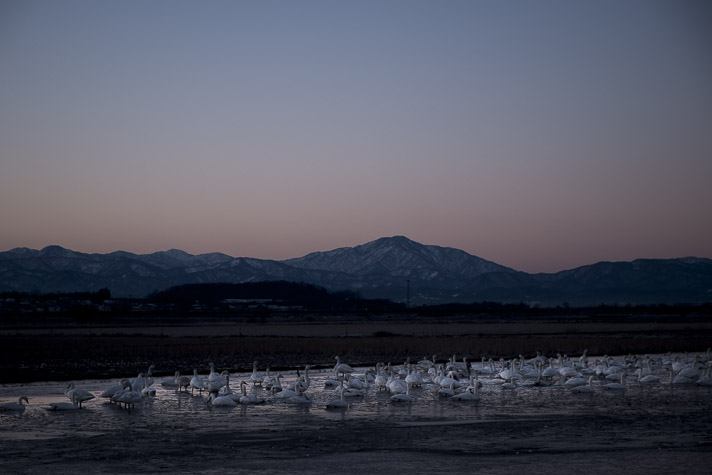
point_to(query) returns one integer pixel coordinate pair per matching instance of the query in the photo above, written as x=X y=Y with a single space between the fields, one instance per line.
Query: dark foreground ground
x=562 y=445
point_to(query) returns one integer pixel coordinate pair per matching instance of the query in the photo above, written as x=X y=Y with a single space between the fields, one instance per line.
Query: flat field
x=42 y=350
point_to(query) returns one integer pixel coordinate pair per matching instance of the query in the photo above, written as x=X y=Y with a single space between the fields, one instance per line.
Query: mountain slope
x=394 y=267
x=398 y=256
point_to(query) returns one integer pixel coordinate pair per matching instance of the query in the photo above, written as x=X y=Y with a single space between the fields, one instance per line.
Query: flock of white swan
x=452 y=380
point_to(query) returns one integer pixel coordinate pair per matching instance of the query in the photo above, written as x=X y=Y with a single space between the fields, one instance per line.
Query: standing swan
x=111 y=390
x=256 y=377
x=81 y=395
x=196 y=382
x=182 y=381
x=342 y=368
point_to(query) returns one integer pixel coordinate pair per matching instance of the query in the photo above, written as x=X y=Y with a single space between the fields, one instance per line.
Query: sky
x=539 y=135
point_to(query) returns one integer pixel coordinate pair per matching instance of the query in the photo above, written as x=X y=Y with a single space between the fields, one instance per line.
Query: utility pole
x=407 y=294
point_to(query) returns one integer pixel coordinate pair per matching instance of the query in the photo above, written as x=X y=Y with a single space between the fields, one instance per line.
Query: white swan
x=249 y=398
x=149 y=375
x=226 y=390
x=303 y=383
x=348 y=391
x=338 y=403
x=217 y=382
x=214 y=377
x=81 y=395
x=196 y=382
x=689 y=372
x=484 y=369
x=269 y=380
x=586 y=388
x=617 y=386
x=403 y=397
x=414 y=378
x=471 y=394
x=14 y=406
x=126 y=387
x=285 y=393
x=380 y=380
x=396 y=385
x=649 y=379
x=509 y=373
x=256 y=377
x=169 y=382
x=182 y=381
x=147 y=389
x=449 y=380
x=113 y=389
x=342 y=368
x=355 y=383
x=277 y=384
x=64 y=406
x=220 y=401
x=138 y=382
x=299 y=398
x=575 y=381
x=550 y=372
x=129 y=399
x=447 y=392
x=705 y=380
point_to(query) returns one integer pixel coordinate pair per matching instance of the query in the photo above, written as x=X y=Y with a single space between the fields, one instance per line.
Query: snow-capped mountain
x=392 y=267
x=398 y=256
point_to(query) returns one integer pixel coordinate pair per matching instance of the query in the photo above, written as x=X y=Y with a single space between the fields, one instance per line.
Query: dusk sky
x=542 y=135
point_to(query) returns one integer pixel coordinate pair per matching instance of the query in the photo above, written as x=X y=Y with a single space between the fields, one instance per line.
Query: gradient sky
x=540 y=135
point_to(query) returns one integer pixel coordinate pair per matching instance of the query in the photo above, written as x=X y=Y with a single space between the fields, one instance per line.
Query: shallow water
x=530 y=427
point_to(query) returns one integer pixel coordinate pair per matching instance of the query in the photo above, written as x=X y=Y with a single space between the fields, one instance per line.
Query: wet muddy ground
x=657 y=428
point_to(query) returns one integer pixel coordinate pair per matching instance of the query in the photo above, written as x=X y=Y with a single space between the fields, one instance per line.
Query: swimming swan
x=64 y=406
x=471 y=394
x=342 y=368
x=220 y=401
x=338 y=403
x=586 y=388
x=14 y=406
x=403 y=397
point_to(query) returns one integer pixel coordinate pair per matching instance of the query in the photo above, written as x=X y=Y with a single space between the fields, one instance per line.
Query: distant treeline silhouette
x=277 y=292
x=269 y=296
x=523 y=309
x=94 y=297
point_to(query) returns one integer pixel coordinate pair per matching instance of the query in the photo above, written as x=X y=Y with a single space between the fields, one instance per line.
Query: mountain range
x=395 y=267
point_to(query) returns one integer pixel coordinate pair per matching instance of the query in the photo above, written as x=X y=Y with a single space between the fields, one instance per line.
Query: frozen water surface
x=655 y=428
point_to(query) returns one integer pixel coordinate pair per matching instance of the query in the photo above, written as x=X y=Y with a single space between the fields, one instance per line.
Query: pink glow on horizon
x=518 y=133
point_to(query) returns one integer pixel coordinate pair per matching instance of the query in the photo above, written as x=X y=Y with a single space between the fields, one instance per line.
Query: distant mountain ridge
x=389 y=267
